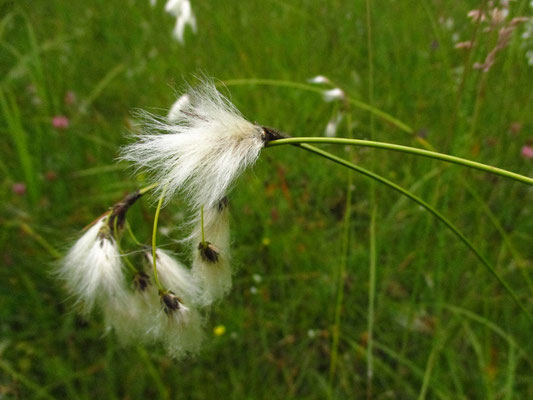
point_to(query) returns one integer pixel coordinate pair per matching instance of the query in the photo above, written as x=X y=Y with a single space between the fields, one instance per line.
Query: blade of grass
x=429 y=208
x=98 y=89
x=481 y=361
x=522 y=265
x=439 y=391
x=373 y=205
x=345 y=248
x=491 y=325
x=20 y=140
x=511 y=371
x=153 y=372
x=39 y=391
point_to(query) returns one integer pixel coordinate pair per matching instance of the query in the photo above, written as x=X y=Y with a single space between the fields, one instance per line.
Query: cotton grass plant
x=198 y=151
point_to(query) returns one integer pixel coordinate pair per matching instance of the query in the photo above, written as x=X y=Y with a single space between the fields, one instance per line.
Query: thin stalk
x=117 y=241
x=341 y=274
x=371 y=304
x=154 y=237
x=406 y=149
x=467 y=68
x=520 y=262
x=302 y=86
x=146 y=189
x=429 y=208
x=42 y=241
x=132 y=235
x=373 y=205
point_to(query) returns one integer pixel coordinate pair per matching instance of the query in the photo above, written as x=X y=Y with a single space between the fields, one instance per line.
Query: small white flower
x=173 y=275
x=176 y=111
x=182 y=10
x=319 y=79
x=333 y=94
x=203 y=152
x=211 y=267
x=331 y=127
x=92 y=269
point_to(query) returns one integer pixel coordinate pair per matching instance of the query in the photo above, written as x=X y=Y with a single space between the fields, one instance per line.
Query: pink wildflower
x=19 y=188
x=527 y=152
x=60 y=122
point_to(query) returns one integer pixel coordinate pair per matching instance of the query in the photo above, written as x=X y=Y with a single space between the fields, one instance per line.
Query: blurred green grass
x=443 y=328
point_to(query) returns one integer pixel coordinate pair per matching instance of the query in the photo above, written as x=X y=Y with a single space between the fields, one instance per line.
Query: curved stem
x=121 y=252
x=405 y=149
x=146 y=189
x=302 y=86
x=154 y=237
x=429 y=208
x=132 y=235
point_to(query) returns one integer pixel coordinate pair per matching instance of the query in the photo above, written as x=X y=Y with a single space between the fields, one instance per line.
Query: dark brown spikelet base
x=118 y=213
x=170 y=302
x=270 y=134
x=141 y=281
x=208 y=252
x=222 y=204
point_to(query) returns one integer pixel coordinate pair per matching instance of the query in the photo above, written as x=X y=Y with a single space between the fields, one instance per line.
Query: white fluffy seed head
x=92 y=269
x=333 y=123
x=319 y=79
x=180 y=329
x=175 y=112
x=200 y=150
x=212 y=272
x=333 y=94
x=131 y=317
x=174 y=276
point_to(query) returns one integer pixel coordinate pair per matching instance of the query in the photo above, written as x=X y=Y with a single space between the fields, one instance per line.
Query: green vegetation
x=330 y=264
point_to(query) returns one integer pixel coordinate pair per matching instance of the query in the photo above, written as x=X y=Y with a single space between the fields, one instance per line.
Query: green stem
x=146 y=189
x=302 y=86
x=42 y=241
x=154 y=237
x=373 y=205
x=341 y=274
x=371 y=303
x=117 y=241
x=405 y=149
x=132 y=235
x=429 y=208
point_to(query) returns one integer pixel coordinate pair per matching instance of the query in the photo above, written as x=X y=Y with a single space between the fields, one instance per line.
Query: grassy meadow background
x=306 y=305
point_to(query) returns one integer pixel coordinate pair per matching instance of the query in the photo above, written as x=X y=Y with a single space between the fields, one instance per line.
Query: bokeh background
x=319 y=300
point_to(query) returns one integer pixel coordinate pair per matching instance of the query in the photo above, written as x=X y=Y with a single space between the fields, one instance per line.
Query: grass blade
x=429 y=208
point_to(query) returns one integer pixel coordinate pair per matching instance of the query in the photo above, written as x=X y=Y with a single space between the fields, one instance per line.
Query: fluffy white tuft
x=180 y=330
x=201 y=151
x=182 y=10
x=213 y=278
x=175 y=112
x=131 y=316
x=333 y=95
x=333 y=123
x=174 y=276
x=92 y=269
x=319 y=79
